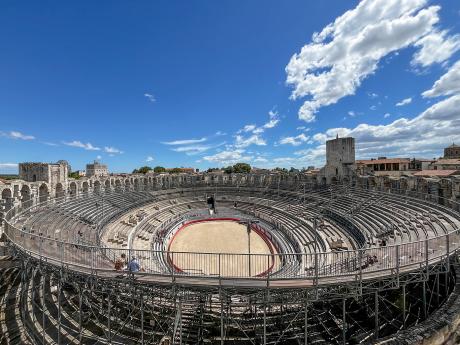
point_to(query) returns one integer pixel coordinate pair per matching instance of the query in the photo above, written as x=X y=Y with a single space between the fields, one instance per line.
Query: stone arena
x=337 y=257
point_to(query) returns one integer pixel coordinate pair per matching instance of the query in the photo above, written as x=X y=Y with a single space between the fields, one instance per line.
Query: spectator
x=133 y=265
x=120 y=263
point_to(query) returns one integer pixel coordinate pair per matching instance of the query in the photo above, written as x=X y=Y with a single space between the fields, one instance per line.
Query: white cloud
x=150 y=97
x=352 y=113
x=348 y=50
x=17 y=135
x=386 y=115
x=220 y=133
x=294 y=141
x=87 y=146
x=372 y=95
x=260 y=160
x=373 y=107
x=425 y=135
x=247 y=128
x=8 y=166
x=112 y=150
x=228 y=157
x=435 y=48
x=405 y=101
x=149 y=159
x=184 y=142
x=99 y=157
x=448 y=84
x=254 y=139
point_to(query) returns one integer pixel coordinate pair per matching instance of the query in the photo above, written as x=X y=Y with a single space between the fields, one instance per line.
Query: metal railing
x=317 y=267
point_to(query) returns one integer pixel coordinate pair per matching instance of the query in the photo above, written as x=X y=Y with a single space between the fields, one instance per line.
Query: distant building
x=446 y=164
x=453 y=151
x=383 y=166
x=80 y=173
x=52 y=173
x=340 y=160
x=96 y=169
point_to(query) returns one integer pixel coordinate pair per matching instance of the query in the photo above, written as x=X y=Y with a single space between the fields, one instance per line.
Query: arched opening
x=43 y=192
x=59 y=190
x=136 y=184
x=7 y=200
x=34 y=178
x=118 y=185
x=107 y=185
x=97 y=186
x=73 y=189
x=25 y=196
x=85 y=187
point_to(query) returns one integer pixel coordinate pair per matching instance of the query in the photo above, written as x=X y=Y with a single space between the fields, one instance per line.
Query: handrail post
x=448 y=252
x=426 y=255
x=397 y=263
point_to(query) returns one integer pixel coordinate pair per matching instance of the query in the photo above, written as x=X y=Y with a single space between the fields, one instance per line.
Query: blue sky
x=211 y=83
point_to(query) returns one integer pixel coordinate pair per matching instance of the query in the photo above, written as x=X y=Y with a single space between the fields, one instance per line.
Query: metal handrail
x=330 y=264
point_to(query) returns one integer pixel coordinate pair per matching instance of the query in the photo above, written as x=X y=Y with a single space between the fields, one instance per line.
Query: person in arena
x=120 y=263
x=133 y=265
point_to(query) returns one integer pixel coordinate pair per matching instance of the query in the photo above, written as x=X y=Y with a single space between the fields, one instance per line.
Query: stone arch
x=136 y=184
x=25 y=195
x=85 y=187
x=117 y=184
x=73 y=188
x=7 y=199
x=43 y=192
x=107 y=184
x=97 y=186
x=59 y=190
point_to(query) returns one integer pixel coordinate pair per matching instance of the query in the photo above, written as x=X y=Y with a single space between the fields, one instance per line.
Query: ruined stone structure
x=340 y=161
x=453 y=151
x=52 y=173
x=96 y=169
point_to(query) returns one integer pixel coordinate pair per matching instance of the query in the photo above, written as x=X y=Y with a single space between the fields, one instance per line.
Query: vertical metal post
x=59 y=309
x=376 y=316
x=142 y=319
x=80 y=328
x=437 y=288
x=404 y=305
x=306 y=322
x=222 y=336
x=108 y=319
x=265 y=318
x=424 y=299
x=43 y=308
x=180 y=322
x=344 y=322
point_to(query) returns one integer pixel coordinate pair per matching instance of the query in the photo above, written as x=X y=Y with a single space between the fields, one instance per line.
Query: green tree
x=159 y=169
x=144 y=169
x=175 y=171
x=242 y=168
x=135 y=171
x=229 y=169
x=74 y=175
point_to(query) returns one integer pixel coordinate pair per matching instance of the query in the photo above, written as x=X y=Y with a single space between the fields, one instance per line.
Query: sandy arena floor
x=225 y=237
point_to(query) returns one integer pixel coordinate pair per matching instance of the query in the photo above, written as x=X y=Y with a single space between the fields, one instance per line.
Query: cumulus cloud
x=228 y=157
x=17 y=135
x=405 y=101
x=254 y=139
x=448 y=84
x=294 y=141
x=112 y=150
x=149 y=159
x=436 y=47
x=424 y=135
x=87 y=146
x=348 y=50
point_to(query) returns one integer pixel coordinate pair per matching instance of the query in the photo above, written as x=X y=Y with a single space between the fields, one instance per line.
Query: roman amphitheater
x=273 y=259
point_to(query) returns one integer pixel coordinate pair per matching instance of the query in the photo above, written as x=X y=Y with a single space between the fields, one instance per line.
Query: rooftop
x=439 y=173
x=383 y=161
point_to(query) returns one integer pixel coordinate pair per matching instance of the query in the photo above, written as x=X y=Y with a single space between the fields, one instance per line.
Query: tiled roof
x=437 y=173
x=383 y=161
